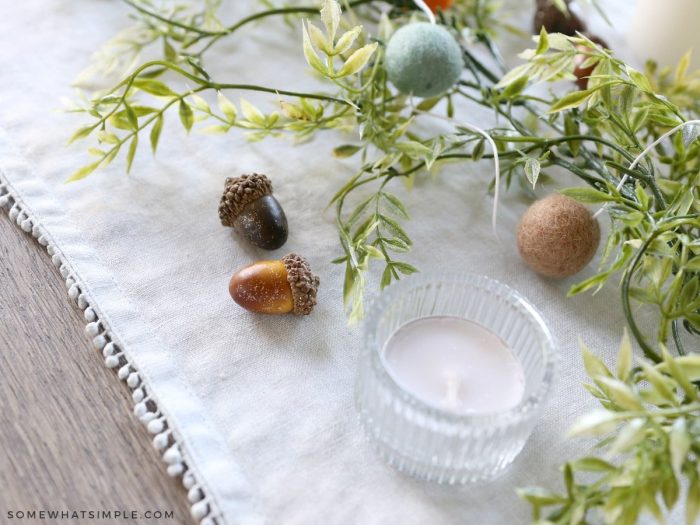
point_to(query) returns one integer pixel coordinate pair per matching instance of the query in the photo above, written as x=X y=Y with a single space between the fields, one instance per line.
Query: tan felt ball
x=558 y=236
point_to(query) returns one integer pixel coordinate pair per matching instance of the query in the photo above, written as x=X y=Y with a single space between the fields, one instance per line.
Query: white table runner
x=260 y=407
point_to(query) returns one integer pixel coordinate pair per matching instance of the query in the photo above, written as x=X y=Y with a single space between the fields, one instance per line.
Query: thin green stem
x=128 y=82
x=169 y=21
x=649 y=352
x=283 y=11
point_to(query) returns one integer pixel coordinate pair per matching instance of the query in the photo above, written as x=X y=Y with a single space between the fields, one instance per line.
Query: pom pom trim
x=171 y=447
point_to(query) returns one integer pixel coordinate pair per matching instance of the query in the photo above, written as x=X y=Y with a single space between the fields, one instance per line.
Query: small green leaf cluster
x=654 y=240
x=314 y=39
x=648 y=456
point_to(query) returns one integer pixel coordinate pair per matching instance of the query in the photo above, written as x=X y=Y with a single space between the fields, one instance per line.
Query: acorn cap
x=303 y=282
x=239 y=192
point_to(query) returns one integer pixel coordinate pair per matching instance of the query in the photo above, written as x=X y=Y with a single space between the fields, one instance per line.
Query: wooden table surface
x=68 y=439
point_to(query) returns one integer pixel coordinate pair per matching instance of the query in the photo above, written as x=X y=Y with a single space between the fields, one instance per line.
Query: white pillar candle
x=664 y=31
x=455 y=364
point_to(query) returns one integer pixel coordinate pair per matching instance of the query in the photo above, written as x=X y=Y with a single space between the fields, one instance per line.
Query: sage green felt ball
x=423 y=59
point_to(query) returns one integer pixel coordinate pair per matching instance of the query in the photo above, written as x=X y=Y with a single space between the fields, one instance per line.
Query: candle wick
x=454 y=382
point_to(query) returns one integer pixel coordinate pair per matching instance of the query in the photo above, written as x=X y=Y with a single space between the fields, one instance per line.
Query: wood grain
x=68 y=439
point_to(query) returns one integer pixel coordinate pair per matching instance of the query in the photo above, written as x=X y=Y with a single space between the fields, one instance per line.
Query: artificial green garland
x=594 y=133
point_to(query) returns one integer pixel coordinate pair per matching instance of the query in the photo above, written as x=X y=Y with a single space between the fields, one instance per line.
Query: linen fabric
x=263 y=406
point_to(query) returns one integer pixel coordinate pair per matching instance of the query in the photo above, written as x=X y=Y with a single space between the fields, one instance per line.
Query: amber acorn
x=276 y=287
x=558 y=236
x=554 y=20
x=249 y=207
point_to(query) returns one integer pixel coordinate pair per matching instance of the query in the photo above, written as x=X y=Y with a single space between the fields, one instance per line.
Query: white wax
x=664 y=31
x=455 y=364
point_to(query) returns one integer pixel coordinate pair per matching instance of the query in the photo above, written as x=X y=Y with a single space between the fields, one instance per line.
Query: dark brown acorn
x=549 y=16
x=276 y=287
x=582 y=73
x=249 y=207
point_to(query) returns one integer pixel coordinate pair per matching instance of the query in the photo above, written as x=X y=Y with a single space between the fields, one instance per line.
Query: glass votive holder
x=433 y=442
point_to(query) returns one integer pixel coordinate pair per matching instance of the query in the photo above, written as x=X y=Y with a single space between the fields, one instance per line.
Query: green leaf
x=330 y=16
x=679 y=444
x=620 y=393
x=593 y=365
x=596 y=423
x=532 y=170
x=346 y=150
x=386 y=277
x=588 y=195
x=251 y=113
x=478 y=151
x=414 y=149
x=404 y=268
x=373 y=252
x=365 y=229
x=693 y=265
x=593 y=464
x=317 y=38
x=630 y=435
x=542 y=42
x=692 y=508
x=516 y=87
x=514 y=74
x=154 y=87
x=139 y=111
x=107 y=138
x=639 y=79
x=346 y=41
x=132 y=151
x=428 y=103
x=540 y=496
x=670 y=491
x=97 y=152
x=569 y=480
x=310 y=54
x=397 y=245
x=227 y=107
x=155 y=132
x=199 y=103
x=216 y=129
x=658 y=381
x=111 y=155
x=169 y=52
x=572 y=100
x=186 y=115
x=84 y=171
x=689 y=364
x=82 y=133
x=121 y=123
x=132 y=119
x=395 y=204
x=349 y=285
x=676 y=371
x=359 y=210
x=395 y=228
x=357 y=60
x=624 y=357
x=690 y=133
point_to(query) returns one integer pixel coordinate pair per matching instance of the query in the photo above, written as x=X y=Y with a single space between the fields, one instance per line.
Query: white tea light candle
x=455 y=364
x=454 y=370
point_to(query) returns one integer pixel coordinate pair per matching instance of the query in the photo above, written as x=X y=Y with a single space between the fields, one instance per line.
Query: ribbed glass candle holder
x=435 y=444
